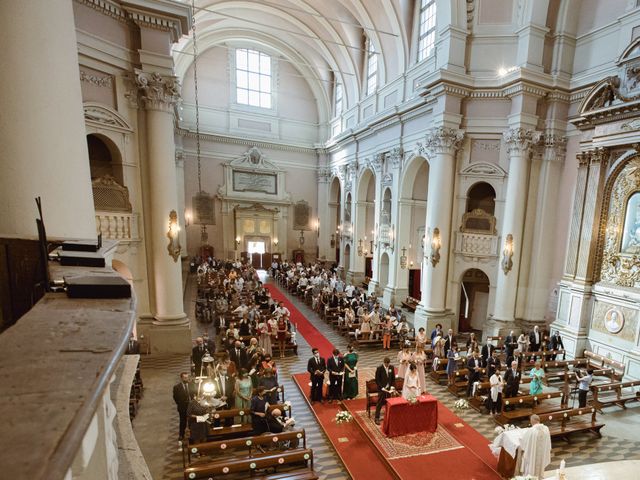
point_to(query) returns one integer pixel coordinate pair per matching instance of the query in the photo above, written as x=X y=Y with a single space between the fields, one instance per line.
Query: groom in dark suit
x=385 y=380
x=335 y=365
x=316 y=367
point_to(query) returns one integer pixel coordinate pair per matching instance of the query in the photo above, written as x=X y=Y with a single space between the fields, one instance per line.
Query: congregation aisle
x=156 y=425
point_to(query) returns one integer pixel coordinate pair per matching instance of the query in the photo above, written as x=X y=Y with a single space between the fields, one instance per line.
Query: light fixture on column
x=238 y=242
x=187 y=218
x=317 y=227
x=360 y=248
x=301 y=239
x=403 y=258
x=507 y=253
x=275 y=242
x=436 y=243
x=174 y=242
x=374 y=239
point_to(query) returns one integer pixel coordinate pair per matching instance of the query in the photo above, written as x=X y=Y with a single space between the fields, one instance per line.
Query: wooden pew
x=410 y=304
x=247 y=467
x=555 y=370
x=525 y=358
x=612 y=394
x=526 y=405
x=248 y=446
x=482 y=392
x=597 y=361
x=238 y=429
x=565 y=422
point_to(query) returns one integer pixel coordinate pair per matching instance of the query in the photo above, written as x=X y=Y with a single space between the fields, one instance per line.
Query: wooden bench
x=525 y=358
x=566 y=422
x=597 y=361
x=247 y=445
x=526 y=405
x=555 y=370
x=612 y=394
x=482 y=391
x=247 y=467
x=238 y=429
x=410 y=304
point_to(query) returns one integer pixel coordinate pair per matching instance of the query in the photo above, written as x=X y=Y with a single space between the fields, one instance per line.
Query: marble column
x=42 y=130
x=519 y=142
x=324 y=227
x=159 y=94
x=441 y=146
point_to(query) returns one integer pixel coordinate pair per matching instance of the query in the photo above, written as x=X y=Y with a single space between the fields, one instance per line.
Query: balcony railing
x=477 y=244
x=117 y=225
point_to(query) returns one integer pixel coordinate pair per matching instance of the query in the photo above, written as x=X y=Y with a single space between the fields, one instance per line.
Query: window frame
x=372 y=55
x=428 y=36
x=338 y=100
x=236 y=70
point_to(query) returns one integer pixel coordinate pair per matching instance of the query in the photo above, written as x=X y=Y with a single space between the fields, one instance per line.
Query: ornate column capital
x=519 y=140
x=376 y=163
x=156 y=91
x=555 y=147
x=324 y=174
x=395 y=156
x=443 y=140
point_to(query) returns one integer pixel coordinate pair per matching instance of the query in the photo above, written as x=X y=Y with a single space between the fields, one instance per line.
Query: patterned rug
x=422 y=443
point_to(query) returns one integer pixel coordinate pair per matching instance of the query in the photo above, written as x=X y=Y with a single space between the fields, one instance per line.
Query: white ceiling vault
x=317 y=37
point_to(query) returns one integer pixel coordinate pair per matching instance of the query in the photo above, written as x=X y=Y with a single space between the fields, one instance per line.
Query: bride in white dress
x=411 y=387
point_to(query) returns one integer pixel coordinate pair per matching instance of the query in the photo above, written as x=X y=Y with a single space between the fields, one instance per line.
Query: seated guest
x=536 y=374
x=270 y=384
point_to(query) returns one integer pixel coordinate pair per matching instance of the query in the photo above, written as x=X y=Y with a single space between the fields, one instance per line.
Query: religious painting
x=255 y=182
x=203 y=208
x=613 y=320
x=631 y=231
x=301 y=215
x=265 y=226
x=248 y=226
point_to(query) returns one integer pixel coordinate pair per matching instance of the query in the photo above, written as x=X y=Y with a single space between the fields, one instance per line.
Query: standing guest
x=487 y=352
x=404 y=358
x=472 y=344
x=420 y=358
x=385 y=380
x=439 y=348
x=452 y=364
x=449 y=341
x=270 y=384
x=522 y=344
x=584 y=383
x=335 y=365
x=556 y=343
x=350 y=389
x=473 y=365
x=536 y=447
x=264 y=338
x=411 y=385
x=495 y=395
x=386 y=327
x=535 y=340
x=259 y=405
x=269 y=362
x=437 y=332
x=282 y=334
x=242 y=390
x=182 y=394
x=536 y=374
x=225 y=386
x=316 y=367
x=238 y=356
x=198 y=429
x=510 y=344
x=421 y=336
x=365 y=326
x=133 y=347
x=251 y=349
x=403 y=330
x=209 y=344
x=197 y=353
x=493 y=363
x=512 y=380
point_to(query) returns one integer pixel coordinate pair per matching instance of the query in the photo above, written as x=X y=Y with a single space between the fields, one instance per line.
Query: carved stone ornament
x=387 y=179
x=443 y=140
x=519 y=140
x=621 y=230
x=377 y=162
x=157 y=92
x=324 y=174
x=395 y=156
x=96 y=80
x=614 y=320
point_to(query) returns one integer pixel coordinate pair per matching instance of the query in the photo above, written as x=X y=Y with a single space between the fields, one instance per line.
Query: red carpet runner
x=314 y=338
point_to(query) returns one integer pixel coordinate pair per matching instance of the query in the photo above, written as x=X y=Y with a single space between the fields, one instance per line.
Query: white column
x=159 y=94
x=325 y=227
x=441 y=146
x=42 y=131
x=518 y=142
x=377 y=210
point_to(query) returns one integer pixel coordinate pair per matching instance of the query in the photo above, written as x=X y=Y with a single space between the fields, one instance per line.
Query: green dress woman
x=350 y=389
x=537 y=374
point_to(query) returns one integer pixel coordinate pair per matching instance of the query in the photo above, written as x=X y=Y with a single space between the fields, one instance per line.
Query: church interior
x=320 y=239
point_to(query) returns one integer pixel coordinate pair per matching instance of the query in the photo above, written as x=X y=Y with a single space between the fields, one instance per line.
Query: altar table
x=402 y=418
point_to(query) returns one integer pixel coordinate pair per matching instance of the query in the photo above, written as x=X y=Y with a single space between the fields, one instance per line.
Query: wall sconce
x=238 y=242
x=317 y=227
x=436 y=243
x=174 y=247
x=507 y=253
x=333 y=240
x=422 y=242
x=360 y=248
x=403 y=258
x=301 y=239
x=275 y=242
x=187 y=218
x=411 y=264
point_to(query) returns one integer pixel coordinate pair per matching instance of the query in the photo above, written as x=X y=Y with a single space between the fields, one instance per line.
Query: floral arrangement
x=527 y=477
x=505 y=428
x=461 y=404
x=343 y=417
x=412 y=399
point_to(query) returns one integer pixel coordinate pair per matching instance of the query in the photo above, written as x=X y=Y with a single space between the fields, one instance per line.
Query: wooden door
x=266 y=260
x=256 y=260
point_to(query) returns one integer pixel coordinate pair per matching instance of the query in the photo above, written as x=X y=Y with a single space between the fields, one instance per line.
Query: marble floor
x=156 y=425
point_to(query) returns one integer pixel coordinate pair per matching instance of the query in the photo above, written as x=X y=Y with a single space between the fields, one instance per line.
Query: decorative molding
x=395 y=156
x=519 y=140
x=486 y=145
x=324 y=174
x=157 y=92
x=105 y=117
x=387 y=179
x=443 y=140
x=106 y=7
x=96 y=80
x=482 y=169
x=470 y=11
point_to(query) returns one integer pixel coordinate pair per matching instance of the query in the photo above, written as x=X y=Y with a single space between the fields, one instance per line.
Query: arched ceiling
x=316 y=37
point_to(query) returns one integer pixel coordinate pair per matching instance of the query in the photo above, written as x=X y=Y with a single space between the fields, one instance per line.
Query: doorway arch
x=474 y=300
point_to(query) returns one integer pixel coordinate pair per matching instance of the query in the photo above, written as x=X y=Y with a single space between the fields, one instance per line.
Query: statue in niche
x=631 y=231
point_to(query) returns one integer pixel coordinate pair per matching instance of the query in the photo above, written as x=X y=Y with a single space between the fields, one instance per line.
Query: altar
x=402 y=417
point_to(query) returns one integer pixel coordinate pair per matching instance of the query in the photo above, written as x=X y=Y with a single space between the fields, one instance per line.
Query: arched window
x=372 y=68
x=427 y=31
x=481 y=196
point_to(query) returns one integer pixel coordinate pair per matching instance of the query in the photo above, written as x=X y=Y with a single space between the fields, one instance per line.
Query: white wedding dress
x=411 y=387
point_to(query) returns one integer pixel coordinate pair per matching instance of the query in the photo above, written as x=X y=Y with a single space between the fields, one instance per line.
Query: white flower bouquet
x=461 y=404
x=343 y=417
x=524 y=477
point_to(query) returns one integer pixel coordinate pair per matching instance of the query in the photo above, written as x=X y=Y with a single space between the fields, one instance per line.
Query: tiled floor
x=157 y=423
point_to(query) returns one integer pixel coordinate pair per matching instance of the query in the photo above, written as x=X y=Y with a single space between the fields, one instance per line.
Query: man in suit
x=133 y=347
x=487 y=352
x=493 y=363
x=556 y=343
x=474 y=367
x=385 y=380
x=335 y=365
x=535 y=340
x=238 y=355
x=512 y=380
x=316 y=367
x=196 y=355
x=182 y=394
x=449 y=340
x=510 y=344
x=209 y=344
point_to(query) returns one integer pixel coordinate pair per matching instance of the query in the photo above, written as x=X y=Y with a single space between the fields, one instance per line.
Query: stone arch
x=411 y=173
x=473 y=298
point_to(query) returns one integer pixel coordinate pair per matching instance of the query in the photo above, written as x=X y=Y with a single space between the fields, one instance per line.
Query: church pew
x=243 y=428
x=613 y=394
x=246 y=467
x=525 y=359
x=523 y=406
x=555 y=370
x=247 y=446
x=410 y=304
x=598 y=361
x=477 y=401
x=497 y=341
x=565 y=422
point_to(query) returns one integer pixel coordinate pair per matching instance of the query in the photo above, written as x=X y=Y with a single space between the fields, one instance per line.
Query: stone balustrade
x=476 y=244
x=117 y=225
